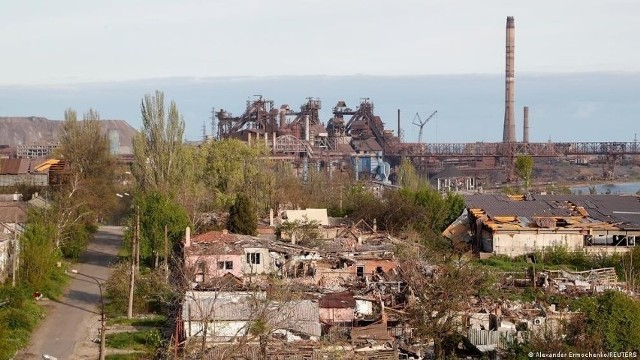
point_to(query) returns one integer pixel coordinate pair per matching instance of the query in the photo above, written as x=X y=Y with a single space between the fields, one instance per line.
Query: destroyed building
x=517 y=225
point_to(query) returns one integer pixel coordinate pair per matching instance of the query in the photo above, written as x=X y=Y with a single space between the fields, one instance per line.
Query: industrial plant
x=358 y=136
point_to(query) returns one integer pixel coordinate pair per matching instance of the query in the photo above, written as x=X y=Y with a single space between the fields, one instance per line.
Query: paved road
x=75 y=317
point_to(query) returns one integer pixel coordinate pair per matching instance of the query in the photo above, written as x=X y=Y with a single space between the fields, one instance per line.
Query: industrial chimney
x=509 y=132
x=399 y=128
x=525 y=127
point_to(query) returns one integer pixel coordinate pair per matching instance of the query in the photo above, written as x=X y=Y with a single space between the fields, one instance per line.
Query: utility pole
x=166 y=252
x=15 y=253
x=134 y=246
x=103 y=328
x=137 y=238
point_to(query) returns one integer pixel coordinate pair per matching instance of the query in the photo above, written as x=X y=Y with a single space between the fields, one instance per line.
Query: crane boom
x=422 y=123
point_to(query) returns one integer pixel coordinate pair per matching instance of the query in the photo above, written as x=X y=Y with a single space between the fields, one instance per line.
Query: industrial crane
x=421 y=124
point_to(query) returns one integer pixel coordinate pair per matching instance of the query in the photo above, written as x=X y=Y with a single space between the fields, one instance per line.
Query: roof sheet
x=299 y=315
x=369 y=144
x=343 y=300
x=604 y=208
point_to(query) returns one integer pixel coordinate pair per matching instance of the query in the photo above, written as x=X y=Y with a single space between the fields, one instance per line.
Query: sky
x=577 y=62
x=80 y=41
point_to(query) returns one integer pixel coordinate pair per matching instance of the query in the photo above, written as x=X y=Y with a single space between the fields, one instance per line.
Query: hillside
x=16 y=131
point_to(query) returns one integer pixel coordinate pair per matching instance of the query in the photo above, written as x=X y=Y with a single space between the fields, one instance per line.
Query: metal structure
x=259 y=115
x=301 y=136
x=509 y=132
x=422 y=123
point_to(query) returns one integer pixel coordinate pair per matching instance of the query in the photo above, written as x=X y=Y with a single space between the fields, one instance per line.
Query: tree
x=242 y=217
x=158 y=146
x=612 y=319
x=38 y=254
x=158 y=211
x=305 y=232
x=524 y=169
x=234 y=167
x=440 y=286
x=408 y=177
x=89 y=174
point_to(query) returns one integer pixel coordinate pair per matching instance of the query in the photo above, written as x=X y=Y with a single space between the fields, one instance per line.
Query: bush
x=18 y=317
x=151 y=293
x=79 y=236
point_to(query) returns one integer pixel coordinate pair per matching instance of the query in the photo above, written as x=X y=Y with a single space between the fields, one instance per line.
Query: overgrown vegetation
x=606 y=322
x=61 y=229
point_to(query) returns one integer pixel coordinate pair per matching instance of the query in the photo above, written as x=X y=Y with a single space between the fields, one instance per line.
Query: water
x=630 y=188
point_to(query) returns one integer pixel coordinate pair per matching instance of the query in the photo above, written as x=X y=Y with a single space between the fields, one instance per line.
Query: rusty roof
x=341 y=300
x=19 y=166
x=369 y=144
x=10 y=166
x=213 y=236
x=218 y=243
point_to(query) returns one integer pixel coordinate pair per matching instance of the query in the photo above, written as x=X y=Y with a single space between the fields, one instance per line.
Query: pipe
x=509 y=131
x=306 y=127
x=399 y=129
x=525 y=127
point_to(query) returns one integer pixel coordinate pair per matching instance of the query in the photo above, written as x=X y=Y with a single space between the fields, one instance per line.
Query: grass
x=150 y=321
x=132 y=356
x=147 y=340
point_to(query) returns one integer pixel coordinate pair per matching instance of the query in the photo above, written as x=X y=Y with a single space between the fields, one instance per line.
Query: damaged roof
x=623 y=211
x=218 y=242
x=341 y=300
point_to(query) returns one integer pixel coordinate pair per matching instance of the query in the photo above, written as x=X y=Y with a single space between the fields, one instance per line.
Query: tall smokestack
x=509 y=132
x=399 y=129
x=525 y=127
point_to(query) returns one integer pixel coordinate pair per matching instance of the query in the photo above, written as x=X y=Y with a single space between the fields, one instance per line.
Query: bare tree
x=88 y=176
x=440 y=287
x=239 y=317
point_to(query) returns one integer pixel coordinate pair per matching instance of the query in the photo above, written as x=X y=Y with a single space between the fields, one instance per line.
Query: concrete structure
x=319 y=215
x=509 y=132
x=451 y=179
x=519 y=225
x=36 y=150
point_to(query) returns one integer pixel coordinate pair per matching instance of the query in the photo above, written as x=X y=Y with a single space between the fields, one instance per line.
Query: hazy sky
x=70 y=41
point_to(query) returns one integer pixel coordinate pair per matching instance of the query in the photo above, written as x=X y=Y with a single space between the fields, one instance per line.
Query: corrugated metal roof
x=604 y=208
x=343 y=300
x=298 y=315
x=10 y=166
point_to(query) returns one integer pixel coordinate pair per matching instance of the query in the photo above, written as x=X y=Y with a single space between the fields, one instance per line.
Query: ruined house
x=215 y=253
x=229 y=316
x=517 y=225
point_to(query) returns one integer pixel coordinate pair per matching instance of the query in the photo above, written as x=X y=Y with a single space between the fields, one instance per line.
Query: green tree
x=158 y=146
x=524 y=169
x=38 y=254
x=612 y=319
x=242 y=217
x=305 y=232
x=157 y=210
x=408 y=177
x=234 y=167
